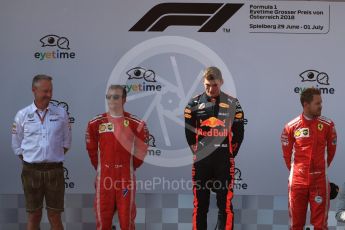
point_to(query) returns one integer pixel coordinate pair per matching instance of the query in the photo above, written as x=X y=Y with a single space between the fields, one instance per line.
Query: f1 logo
x=210 y=16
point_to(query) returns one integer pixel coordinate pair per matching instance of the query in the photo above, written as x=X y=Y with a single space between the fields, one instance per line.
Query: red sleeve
x=91 y=139
x=287 y=141
x=140 y=145
x=331 y=143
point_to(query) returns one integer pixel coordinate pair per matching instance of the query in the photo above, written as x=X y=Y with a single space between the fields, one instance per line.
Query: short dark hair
x=124 y=91
x=212 y=73
x=39 y=77
x=308 y=94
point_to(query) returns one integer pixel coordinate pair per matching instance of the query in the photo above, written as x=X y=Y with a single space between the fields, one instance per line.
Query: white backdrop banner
x=267 y=51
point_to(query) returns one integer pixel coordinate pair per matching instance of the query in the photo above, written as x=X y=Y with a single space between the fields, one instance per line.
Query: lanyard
x=44 y=115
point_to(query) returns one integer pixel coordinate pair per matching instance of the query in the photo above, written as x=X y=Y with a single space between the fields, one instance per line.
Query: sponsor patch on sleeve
x=239 y=115
x=87 y=137
x=334 y=142
x=284 y=139
x=187 y=116
x=224 y=105
x=14 y=128
x=187 y=111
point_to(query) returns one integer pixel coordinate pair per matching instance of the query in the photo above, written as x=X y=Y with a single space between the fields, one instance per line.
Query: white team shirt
x=41 y=142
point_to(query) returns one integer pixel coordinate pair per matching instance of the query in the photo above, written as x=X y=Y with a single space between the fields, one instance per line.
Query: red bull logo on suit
x=212 y=122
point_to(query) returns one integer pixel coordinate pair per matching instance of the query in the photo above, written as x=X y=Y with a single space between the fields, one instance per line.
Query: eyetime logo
x=311 y=77
x=145 y=80
x=60 y=48
x=65 y=106
x=238 y=181
x=209 y=16
x=68 y=183
x=152 y=150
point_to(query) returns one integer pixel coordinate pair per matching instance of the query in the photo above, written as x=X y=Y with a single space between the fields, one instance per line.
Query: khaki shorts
x=43 y=180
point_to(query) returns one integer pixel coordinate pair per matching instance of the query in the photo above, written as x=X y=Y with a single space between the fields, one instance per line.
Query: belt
x=43 y=165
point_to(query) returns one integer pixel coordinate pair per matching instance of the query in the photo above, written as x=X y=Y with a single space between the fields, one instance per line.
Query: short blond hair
x=120 y=87
x=212 y=73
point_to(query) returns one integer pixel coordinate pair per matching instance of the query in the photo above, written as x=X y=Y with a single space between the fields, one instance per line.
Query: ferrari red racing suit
x=308 y=148
x=116 y=147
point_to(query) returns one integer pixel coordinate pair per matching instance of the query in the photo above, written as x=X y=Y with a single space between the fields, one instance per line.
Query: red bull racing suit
x=308 y=148
x=116 y=147
x=214 y=129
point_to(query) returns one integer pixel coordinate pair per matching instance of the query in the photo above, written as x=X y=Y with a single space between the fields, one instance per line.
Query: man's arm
x=237 y=129
x=287 y=141
x=190 y=124
x=67 y=133
x=141 y=145
x=17 y=136
x=91 y=139
x=331 y=143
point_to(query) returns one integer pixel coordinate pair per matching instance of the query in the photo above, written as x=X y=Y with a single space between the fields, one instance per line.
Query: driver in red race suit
x=117 y=144
x=214 y=128
x=309 y=144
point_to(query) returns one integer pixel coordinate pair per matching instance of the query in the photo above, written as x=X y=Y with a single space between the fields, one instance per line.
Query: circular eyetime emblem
x=160 y=76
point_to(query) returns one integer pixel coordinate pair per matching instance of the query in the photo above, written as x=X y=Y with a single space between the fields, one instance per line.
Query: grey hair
x=40 y=77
